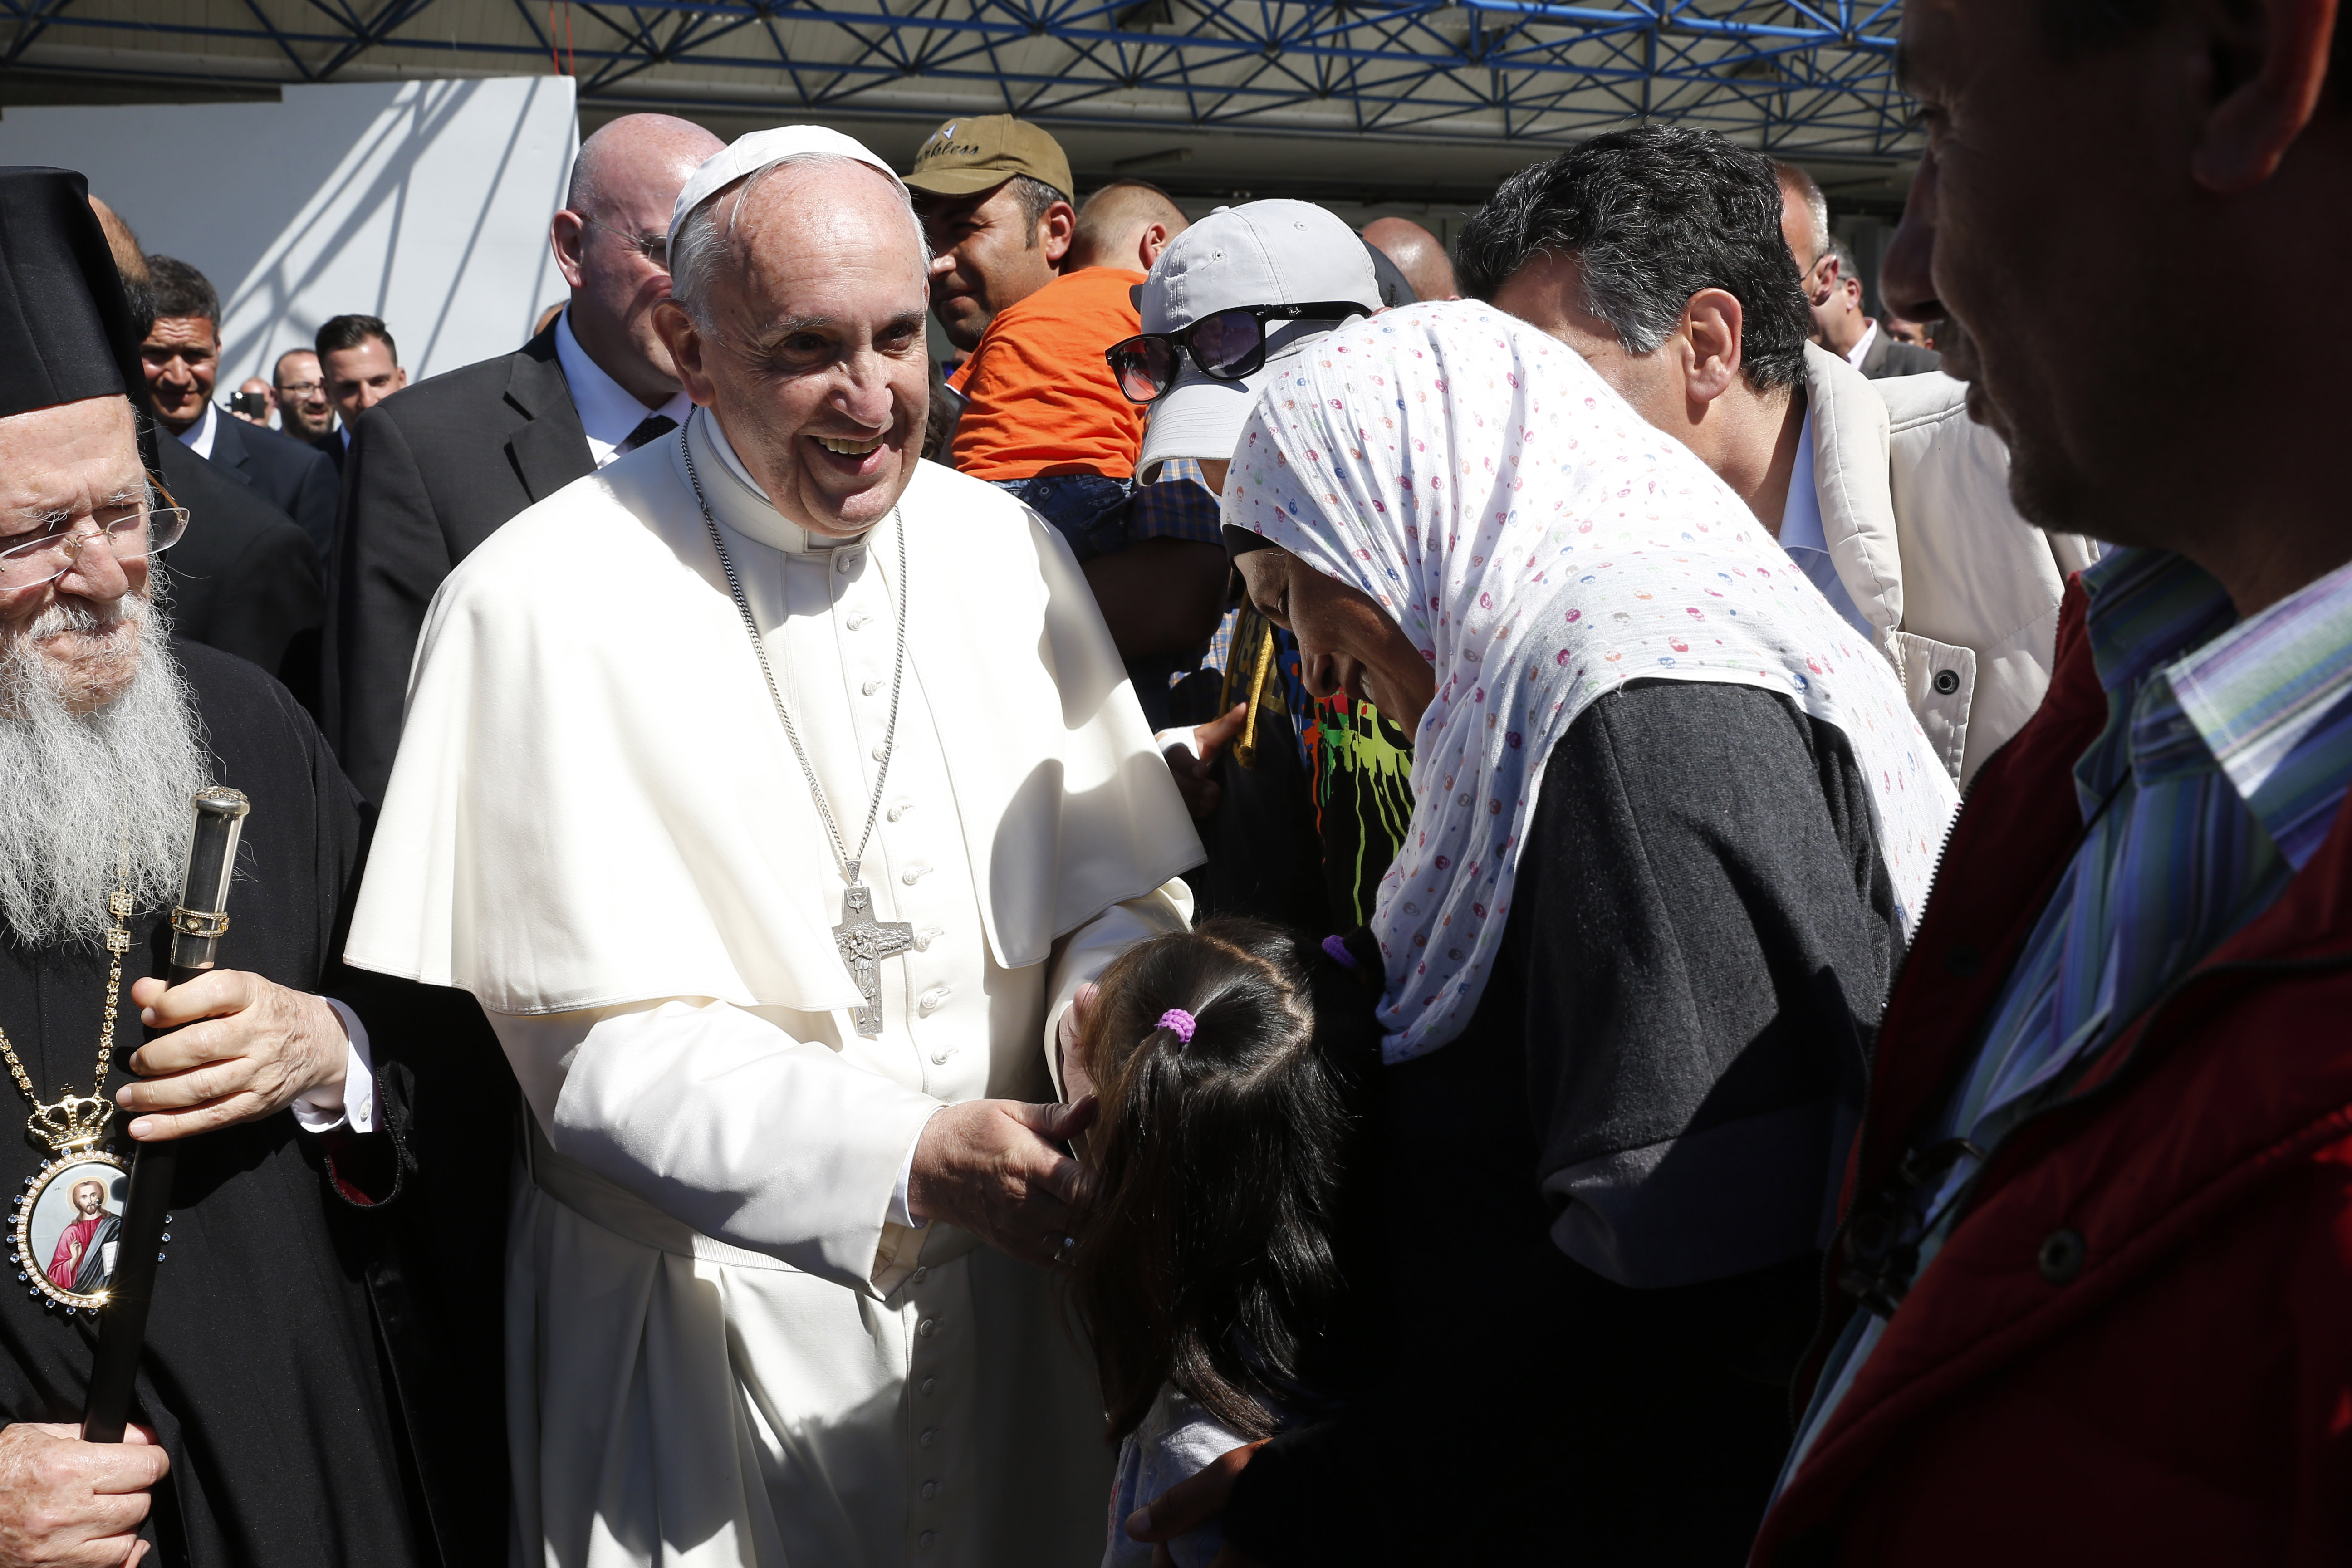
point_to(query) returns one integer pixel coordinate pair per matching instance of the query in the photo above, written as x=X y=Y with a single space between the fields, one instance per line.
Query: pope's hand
x=1191 y=1503
x=65 y=1503
x=241 y=1048
x=1195 y=771
x=990 y=1167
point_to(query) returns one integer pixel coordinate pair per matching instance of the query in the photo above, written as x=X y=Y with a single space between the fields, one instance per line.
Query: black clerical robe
x=263 y=1372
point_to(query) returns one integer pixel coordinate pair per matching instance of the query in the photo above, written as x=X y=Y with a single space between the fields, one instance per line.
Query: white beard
x=77 y=788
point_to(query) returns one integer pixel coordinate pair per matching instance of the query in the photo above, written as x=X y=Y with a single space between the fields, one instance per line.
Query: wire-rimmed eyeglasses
x=44 y=558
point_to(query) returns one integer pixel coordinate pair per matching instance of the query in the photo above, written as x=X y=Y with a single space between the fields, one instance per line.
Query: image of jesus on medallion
x=75 y=1221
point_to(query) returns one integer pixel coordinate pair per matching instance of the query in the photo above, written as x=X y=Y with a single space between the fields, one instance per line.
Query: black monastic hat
x=66 y=328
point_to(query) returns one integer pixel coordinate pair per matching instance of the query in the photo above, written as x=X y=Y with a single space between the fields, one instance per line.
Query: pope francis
x=774 y=791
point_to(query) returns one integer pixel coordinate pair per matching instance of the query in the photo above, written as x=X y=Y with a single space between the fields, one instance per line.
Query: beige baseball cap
x=971 y=155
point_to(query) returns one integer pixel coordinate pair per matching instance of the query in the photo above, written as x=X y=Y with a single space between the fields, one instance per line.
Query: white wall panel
x=424 y=203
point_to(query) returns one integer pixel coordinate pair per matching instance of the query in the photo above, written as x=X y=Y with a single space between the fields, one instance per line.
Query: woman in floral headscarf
x=1673 y=817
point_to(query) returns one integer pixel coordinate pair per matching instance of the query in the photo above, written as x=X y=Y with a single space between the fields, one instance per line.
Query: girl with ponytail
x=1222 y=1276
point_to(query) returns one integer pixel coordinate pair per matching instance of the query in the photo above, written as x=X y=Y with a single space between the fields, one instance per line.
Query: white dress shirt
x=1807 y=542
x=198 y=437
x=1861 y=344
x=608 y=411
x=324 y=1110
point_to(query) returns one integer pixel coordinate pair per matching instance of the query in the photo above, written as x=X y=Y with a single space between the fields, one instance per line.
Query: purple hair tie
x=1337 y=946
x=1180 y=1023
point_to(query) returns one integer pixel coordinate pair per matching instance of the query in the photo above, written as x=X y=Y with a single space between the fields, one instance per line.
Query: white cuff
x=326 y=1108
x=1179 y=739
x=900 y=1214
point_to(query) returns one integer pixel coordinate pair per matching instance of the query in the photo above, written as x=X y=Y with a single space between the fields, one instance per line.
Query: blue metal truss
x=1791 y=77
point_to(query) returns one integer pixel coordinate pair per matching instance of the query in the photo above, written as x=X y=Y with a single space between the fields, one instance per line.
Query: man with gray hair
x=1805 y=226
x=775 y=792
x=1848 y=329
x=1666 y=257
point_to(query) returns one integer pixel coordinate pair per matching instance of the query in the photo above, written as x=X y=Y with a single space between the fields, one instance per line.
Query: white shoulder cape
x=594 y=801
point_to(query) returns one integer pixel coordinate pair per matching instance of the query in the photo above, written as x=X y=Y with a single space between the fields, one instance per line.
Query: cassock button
x=928 y=1433
x=869 y=688
x=926 y=1328
x=924 y=1540
x=929 y=1383
x=930 y=1490
x=922 y=1273
x=846 y=561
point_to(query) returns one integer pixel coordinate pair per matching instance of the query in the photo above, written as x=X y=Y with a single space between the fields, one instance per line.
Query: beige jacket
x=1962 y=591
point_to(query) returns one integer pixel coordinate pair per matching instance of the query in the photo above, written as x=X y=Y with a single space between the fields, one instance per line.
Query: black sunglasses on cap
x=1227 y=345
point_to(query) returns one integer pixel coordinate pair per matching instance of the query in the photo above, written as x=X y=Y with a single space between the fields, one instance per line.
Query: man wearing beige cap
x=994 y=196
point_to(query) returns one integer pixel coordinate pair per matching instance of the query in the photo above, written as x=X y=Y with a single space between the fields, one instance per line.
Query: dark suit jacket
x=244 y=578
x=432 y=472
x=297 y=477
x=1888 y=357
x=333 y=445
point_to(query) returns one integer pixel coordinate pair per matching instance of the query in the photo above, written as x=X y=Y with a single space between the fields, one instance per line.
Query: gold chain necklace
x=78 y=1120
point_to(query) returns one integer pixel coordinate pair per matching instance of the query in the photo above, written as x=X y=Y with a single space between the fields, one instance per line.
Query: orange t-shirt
x=1043 y=399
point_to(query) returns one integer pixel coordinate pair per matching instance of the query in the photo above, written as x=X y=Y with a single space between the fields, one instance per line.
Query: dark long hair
x=1228 y=1172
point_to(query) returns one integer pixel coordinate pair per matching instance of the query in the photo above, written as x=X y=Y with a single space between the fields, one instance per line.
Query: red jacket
x=2136 y=1346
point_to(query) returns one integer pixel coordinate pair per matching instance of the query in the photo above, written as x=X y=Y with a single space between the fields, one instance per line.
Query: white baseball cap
x=748 y=154
x=1263 y=253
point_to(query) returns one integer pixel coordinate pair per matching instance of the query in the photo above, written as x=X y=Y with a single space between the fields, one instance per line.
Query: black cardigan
x=1601 y=1199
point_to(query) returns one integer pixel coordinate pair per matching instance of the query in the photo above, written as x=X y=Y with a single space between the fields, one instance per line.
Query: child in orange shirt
x=1045 y=418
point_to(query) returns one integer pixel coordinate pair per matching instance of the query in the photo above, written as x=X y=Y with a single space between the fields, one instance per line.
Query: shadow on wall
x=426 y=203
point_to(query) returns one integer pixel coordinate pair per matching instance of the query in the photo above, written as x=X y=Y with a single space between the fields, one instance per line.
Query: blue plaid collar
x=2190 y=687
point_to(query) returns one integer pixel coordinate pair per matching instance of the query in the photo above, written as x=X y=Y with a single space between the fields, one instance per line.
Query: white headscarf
x=1541 y=545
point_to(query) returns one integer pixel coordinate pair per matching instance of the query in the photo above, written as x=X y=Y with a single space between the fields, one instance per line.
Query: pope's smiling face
x=811 y=351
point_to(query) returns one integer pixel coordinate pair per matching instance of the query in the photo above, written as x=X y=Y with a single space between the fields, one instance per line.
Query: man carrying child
x=1043 y=418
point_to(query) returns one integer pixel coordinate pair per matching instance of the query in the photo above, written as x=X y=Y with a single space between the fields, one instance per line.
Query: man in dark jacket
x=432 y=471
x=244 y=578
x=1851 y=333
x=182 y=360
x=2089 y=1292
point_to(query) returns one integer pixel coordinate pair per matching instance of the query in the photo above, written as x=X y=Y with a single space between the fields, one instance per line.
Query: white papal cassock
x=720 y=1348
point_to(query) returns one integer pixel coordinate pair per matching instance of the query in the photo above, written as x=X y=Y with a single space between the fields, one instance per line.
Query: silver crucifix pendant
x=864 y=943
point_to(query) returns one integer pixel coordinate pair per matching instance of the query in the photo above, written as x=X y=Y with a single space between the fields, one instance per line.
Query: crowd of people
x=1312 y=906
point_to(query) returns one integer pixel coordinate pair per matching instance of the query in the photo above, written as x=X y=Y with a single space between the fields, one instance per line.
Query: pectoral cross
x=864 y=943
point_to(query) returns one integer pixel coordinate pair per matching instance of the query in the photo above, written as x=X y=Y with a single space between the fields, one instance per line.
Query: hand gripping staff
x=198 y=920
